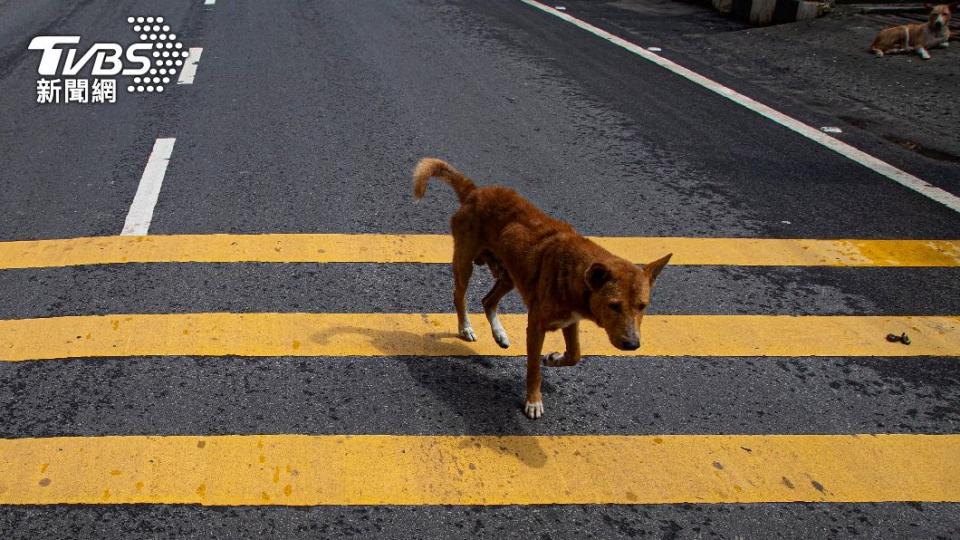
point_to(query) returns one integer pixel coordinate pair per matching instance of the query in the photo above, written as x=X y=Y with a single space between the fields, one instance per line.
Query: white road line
x=901 y=177
x=189 y=70
x=210 y=2
x=141 y=211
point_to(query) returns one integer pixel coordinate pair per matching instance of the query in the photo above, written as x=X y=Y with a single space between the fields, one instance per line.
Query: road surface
x=308 y=383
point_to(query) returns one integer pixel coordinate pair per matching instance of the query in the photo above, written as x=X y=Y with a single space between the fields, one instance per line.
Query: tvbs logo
x=152 y=62
x=107 y=57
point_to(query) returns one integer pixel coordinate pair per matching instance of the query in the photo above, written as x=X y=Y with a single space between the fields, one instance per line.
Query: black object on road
x=902 y=338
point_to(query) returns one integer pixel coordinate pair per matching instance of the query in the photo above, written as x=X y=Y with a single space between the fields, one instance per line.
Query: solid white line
x=141 y=211
x=901 y=177
x=210 y=2
x=189 y=70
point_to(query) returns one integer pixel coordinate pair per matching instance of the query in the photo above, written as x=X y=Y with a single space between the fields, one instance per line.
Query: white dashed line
x=903 y=178
x=209 y=2
x=189 y=70
x=141 y=211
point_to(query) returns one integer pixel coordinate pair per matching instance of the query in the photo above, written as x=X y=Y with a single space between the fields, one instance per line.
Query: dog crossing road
x=277 y=353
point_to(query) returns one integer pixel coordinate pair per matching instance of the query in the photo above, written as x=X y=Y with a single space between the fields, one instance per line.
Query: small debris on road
x=654 y=49
x=560 y=8
x=902 y=338
x=831 y=129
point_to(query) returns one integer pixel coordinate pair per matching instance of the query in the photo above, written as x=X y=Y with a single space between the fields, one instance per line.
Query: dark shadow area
x=467 y=387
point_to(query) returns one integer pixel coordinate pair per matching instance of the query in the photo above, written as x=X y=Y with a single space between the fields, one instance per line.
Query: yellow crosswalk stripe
x=394 y=334
x=426 y=248
x=479 y=470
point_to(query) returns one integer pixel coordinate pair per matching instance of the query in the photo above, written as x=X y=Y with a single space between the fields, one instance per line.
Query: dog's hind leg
x=462 y=270
x=490 y=303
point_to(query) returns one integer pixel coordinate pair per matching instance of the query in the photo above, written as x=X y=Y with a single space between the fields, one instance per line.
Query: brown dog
x=919 y=37
x=562 y=276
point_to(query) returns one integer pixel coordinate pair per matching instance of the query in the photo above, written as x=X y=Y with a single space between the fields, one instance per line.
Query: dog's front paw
x=499 y=332
x=467 y=334
x=533 y=410
x=501 y=338
x=553 y=359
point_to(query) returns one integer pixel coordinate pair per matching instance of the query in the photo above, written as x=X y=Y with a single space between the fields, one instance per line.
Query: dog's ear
x=652 y=270
x=597 y=276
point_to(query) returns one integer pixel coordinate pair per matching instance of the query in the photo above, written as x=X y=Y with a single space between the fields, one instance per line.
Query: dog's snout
x=630 y=344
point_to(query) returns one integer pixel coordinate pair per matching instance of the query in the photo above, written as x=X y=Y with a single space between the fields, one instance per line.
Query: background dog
x=562 y=276
x=919 y=37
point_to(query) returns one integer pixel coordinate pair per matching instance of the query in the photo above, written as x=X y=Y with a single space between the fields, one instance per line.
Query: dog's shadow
x=481 y=393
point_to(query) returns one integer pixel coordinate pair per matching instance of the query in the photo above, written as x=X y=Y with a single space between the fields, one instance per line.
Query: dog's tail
x=428 y=168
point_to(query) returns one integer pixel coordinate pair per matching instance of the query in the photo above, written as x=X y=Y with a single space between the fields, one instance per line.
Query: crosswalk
x=407 y=334
x=437 y=249
x=466 y=468
x=480 y=470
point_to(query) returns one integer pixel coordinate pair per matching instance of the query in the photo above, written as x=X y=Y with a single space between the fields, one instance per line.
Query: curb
x=767 y=12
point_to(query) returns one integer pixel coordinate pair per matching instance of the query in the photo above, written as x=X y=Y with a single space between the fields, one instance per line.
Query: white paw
x=945 y=44
x=533 y=410
x=467 y=334
x=552 y=359
x=499 y=334
x=501 y=338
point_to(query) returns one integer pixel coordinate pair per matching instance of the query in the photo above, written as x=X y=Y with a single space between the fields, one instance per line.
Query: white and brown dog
x=916 y=37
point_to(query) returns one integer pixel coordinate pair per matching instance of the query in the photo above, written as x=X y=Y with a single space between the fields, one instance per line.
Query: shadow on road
x=486 y=399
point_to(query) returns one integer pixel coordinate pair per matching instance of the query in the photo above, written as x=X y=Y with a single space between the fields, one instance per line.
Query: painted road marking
x=189 y=70
x=431 y=248
x=409 y=334
x=141 y=210
x=901 y=177
x=479 y=470
x=209 y=2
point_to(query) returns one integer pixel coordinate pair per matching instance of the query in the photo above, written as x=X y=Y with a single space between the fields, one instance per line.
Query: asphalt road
x=307 y=117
